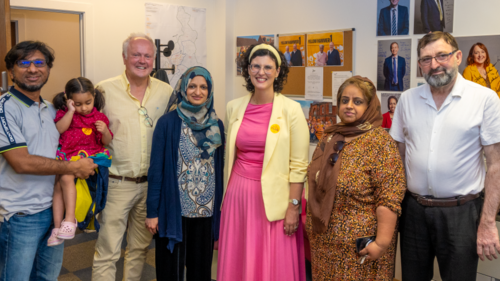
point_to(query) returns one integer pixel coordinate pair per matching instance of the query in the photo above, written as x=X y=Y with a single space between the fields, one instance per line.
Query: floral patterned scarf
x=200 y=118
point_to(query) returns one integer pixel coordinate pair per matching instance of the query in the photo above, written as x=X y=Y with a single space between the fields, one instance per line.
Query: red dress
x=82 y=135
x=386 y=121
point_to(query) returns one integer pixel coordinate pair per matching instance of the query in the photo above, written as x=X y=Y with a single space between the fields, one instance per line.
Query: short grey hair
x=133 y=36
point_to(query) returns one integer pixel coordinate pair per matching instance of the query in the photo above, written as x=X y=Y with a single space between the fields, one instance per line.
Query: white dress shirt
x=444 y=147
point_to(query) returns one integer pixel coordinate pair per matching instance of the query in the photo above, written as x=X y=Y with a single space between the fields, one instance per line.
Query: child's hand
x=70 y=104
x=101 y=127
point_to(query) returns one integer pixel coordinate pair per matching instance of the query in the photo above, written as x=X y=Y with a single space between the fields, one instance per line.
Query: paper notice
x=338 y=77
x=314 y=83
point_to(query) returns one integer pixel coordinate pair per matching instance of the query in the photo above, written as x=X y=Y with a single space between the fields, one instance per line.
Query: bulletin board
x=296 y=84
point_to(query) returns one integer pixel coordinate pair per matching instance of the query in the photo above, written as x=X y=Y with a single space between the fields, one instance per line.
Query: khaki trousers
x=126 y=202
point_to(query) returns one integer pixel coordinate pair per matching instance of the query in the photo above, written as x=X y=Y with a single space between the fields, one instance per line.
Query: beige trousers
x=126 y=202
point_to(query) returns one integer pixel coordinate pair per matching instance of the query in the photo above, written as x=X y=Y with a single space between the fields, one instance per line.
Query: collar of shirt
x=395 y=8
x=126 y=84
x=456 y=91
x=23 y=98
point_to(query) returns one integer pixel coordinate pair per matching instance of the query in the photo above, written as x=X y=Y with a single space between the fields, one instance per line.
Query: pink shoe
x=53 y=240
x=67 y=230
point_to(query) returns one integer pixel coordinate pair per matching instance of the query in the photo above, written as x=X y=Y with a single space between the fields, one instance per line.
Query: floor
x=79 y=253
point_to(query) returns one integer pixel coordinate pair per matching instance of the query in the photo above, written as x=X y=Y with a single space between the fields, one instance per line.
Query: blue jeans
x=24 y=254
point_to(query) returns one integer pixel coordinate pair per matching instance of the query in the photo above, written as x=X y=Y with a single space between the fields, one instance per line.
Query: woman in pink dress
x=267 y=142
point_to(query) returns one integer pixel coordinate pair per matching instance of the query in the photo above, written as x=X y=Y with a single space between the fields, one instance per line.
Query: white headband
x=267 y=47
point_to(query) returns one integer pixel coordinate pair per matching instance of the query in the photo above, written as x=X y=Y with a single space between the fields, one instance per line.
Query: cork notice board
x=296 y=84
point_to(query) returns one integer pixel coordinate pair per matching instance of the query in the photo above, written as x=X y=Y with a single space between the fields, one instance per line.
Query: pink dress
x=250 y=247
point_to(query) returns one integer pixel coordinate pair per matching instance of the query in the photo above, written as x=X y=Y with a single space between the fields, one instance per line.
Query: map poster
x=243 y=42
x=320 y=45
x=186 y=27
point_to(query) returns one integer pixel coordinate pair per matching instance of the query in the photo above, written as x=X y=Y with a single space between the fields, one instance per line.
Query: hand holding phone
x=361 y=243
x=368 y=248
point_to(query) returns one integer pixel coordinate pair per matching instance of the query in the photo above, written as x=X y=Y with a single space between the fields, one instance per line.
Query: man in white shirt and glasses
x=442 y=129
x=134 y=102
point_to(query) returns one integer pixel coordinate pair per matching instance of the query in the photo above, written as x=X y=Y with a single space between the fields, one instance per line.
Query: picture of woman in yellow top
x=479 y=69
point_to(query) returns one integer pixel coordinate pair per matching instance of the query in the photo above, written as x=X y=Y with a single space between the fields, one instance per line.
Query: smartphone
x=362 y=242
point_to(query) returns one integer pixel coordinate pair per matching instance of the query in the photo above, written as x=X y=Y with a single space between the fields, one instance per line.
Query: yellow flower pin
x=275 y=128
x=87 y=131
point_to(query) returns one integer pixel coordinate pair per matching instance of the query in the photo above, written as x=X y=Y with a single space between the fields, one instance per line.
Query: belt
x=137 y=180
x=430 y=201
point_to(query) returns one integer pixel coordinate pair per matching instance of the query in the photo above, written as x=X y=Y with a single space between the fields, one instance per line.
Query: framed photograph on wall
x=325 y=49
x=393 y=65
x=294 y=48
x=429 y=16
x=481 y=53
x=393 y=17
x=388 y=103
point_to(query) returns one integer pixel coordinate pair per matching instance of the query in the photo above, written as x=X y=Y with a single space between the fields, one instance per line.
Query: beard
x=441 y=80
x=29 y=88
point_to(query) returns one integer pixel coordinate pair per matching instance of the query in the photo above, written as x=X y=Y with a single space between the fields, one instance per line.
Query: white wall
x=108 y=22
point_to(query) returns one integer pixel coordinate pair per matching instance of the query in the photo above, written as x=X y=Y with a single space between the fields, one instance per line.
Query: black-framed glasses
x=439 y=58
x=338 y=146
x=255 y=68
x=144 y=112
x=27 y=63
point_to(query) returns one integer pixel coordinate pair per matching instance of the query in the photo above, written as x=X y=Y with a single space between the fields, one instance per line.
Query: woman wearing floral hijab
x=356 y=185
x=185 y=180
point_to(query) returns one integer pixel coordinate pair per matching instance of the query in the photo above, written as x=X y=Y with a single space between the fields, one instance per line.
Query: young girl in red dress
x=84 y=132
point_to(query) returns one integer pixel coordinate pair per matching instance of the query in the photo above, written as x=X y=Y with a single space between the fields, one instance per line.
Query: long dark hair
x=80 y=85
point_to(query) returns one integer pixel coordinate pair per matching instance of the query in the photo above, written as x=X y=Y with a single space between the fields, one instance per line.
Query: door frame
x=81 y=28
x=86 y=12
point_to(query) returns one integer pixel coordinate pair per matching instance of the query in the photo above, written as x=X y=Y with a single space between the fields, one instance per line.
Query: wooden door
x=5 y=33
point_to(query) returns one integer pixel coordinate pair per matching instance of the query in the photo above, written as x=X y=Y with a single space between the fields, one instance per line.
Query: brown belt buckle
x=138 y=180
x=421 y=198
x=461 y=197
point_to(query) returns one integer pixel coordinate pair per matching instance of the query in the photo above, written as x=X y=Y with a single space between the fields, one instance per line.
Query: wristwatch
x=295 y=202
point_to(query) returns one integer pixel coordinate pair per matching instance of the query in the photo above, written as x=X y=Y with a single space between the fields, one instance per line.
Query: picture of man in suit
x=393 y=20
x=296 y=56
x=394 y=70
x=333 y=56
x=432 y=13
x=288 y=56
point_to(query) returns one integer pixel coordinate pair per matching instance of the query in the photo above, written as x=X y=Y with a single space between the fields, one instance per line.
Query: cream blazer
x=285 y=155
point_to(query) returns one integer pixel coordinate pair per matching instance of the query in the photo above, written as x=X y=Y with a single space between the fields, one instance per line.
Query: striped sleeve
x=11 y=136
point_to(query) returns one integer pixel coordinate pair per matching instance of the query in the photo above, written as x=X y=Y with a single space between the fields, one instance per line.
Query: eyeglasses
x=27 y=63
x=255 y=68
x=335 y=156
x=439 y=58
x=144 y=112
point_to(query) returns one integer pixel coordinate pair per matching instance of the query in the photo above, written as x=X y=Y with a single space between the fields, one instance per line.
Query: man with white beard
x=442 y=129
